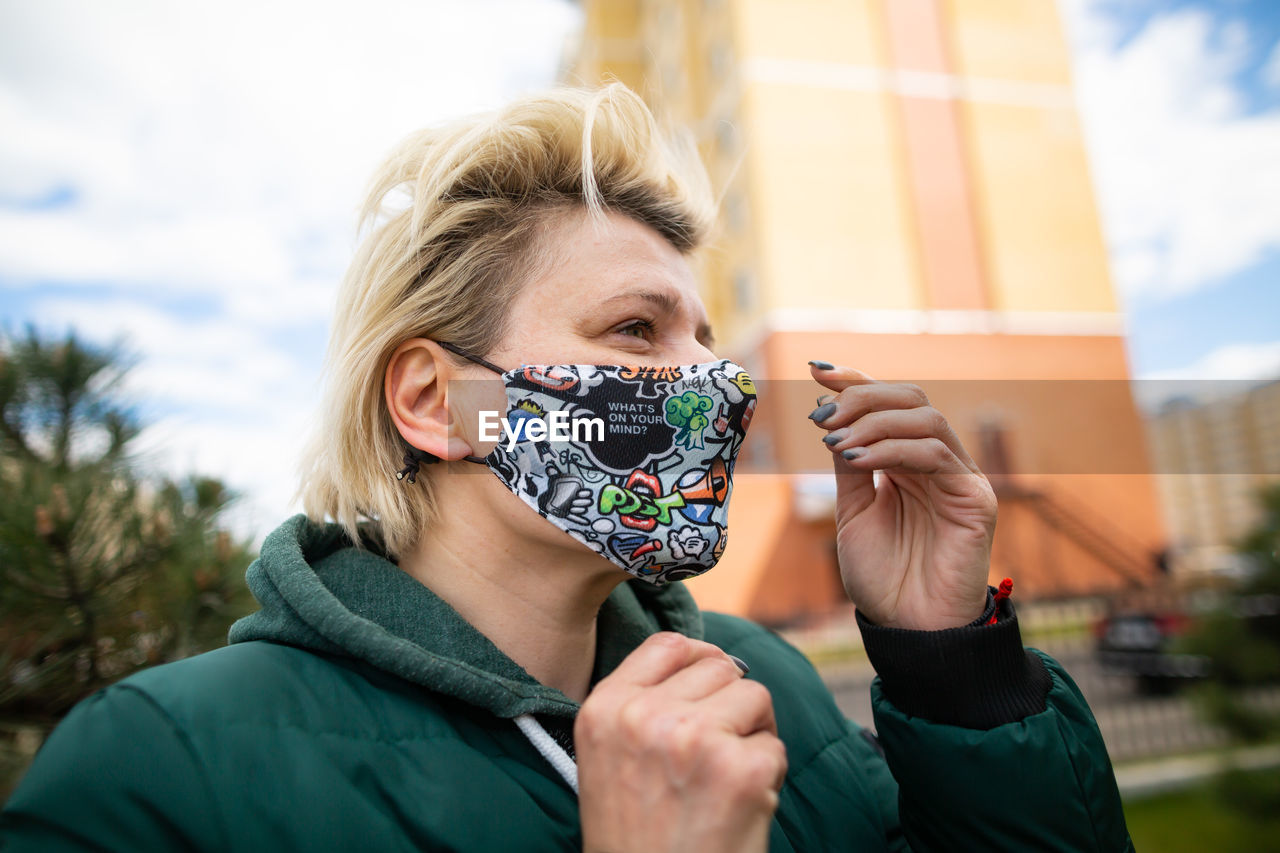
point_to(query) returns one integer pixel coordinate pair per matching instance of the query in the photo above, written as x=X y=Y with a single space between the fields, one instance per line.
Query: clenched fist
x=678 y=752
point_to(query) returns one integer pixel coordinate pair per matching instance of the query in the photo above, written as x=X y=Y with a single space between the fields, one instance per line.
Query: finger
x=743 y=707
x=855 y=487
x=920 y=422
x=772 y=755
x=858 y=400
x=917 y=455
x=838 y=378
x=700 y=679
x=659 y=657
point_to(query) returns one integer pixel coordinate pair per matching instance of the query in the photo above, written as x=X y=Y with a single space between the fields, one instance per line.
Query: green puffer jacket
x=358 y=711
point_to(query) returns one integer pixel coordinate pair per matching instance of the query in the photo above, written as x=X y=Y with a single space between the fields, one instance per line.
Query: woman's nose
x=693 y=353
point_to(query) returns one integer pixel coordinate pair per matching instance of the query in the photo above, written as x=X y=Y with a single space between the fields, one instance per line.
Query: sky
x=185 y=176
x=1180 y=102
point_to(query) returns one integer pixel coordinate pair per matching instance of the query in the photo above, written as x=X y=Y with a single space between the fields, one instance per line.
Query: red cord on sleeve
x=1005 y=590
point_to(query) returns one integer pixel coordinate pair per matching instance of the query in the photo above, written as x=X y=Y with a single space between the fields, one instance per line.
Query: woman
x=461 y=674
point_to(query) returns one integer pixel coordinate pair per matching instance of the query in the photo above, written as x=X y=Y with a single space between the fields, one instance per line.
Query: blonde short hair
x=483 y=195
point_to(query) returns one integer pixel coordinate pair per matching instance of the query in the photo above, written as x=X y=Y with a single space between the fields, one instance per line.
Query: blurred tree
x=1262 y=546
x=104 y=570
x=1242 y=638
x=1242 y=641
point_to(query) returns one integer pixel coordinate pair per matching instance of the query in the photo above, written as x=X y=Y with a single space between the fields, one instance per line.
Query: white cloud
x=1240 y=361
x=1223 y=373
x=1189 y=184
x=216 y=366
x=214 y=155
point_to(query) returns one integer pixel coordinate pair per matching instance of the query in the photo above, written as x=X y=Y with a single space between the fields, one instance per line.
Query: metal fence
x=1135 y=723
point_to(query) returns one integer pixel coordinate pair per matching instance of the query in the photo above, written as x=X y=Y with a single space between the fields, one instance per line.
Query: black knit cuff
x=977 y=676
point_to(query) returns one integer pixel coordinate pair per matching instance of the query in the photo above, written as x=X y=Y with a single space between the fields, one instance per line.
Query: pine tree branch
x=32 y=585
x=18 y=441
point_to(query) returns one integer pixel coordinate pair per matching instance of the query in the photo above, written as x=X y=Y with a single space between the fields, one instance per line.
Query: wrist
x=975 y=676
x=978 y=614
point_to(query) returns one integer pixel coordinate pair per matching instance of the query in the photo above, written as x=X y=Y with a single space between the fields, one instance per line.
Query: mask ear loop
x=456 y=350
x=415 y=458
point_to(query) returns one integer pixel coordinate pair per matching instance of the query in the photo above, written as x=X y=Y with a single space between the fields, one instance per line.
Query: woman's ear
x=416 y=388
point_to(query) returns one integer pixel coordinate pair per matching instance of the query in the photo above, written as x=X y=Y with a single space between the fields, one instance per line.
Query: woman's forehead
x=620 y=261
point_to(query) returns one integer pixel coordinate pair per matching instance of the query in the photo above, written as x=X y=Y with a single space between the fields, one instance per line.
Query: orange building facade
x=904 y=190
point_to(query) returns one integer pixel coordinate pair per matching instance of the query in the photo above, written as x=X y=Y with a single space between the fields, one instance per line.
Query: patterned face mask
x=636 y=463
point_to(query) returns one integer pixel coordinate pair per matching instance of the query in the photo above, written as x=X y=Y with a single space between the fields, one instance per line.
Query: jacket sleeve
x=116 y=774
x=992 y=745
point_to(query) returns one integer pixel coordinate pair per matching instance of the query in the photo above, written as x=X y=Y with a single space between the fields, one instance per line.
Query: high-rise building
x=1215 y=456
x=904 y=190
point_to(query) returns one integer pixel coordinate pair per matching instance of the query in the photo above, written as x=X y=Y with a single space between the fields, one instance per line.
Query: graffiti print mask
x=636 y=463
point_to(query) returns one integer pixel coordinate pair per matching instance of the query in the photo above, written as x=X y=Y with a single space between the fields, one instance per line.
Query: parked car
x=1140 y=635
x=1143 y=633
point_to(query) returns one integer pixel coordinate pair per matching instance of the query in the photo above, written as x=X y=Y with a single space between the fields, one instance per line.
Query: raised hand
x=914 y=549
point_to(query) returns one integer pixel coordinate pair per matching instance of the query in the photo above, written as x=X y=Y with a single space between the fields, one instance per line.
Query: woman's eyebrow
x=663 y=300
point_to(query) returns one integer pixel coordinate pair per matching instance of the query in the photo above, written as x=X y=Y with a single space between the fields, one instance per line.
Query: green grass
x=836 y=654
x=1198 y=819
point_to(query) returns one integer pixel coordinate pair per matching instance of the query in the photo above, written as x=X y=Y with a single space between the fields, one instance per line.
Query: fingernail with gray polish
x=740 y=663
x=831 y=438
x=852 y=452
x=823 y=365
x=823 y=412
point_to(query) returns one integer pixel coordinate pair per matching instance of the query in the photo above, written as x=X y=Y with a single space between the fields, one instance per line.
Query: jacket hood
x=320 y=592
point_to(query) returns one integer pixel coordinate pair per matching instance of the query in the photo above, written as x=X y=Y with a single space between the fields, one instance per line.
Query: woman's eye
x=638 y=329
